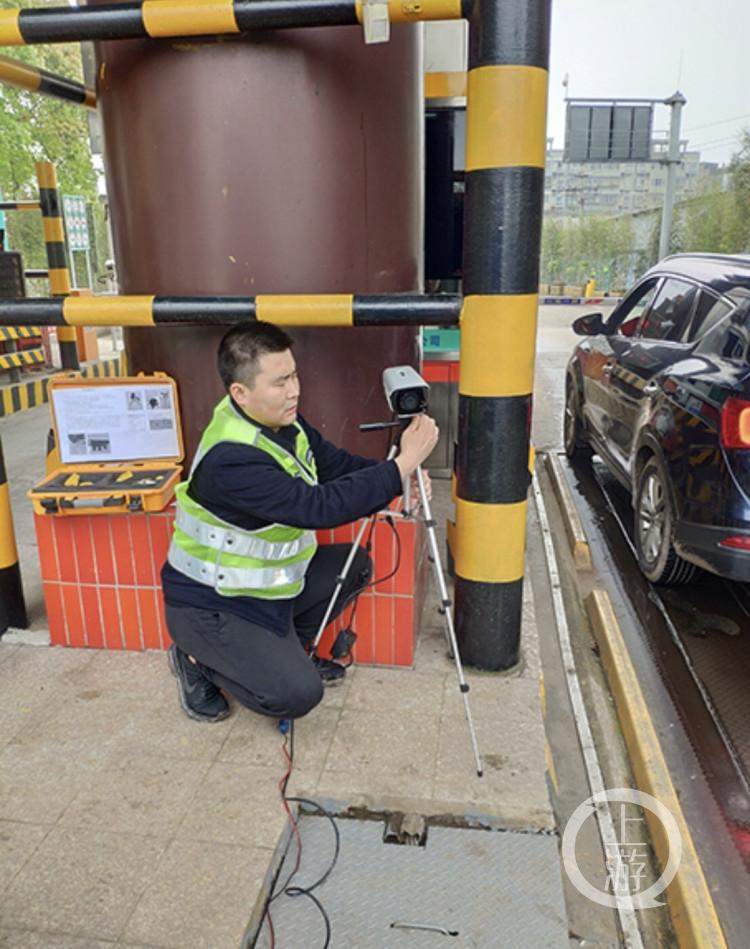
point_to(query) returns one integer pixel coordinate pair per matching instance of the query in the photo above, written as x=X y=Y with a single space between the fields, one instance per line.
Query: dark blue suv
x=661 y=391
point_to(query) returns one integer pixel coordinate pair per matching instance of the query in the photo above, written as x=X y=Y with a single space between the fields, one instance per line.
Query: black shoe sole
x=191 y=713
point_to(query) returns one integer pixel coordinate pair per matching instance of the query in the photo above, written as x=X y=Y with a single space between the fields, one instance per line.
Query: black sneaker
x=200 y=699
x=330 y=672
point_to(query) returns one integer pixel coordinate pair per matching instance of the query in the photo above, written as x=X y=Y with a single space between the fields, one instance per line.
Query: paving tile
x=386 y=690
x=31 y=675
x=160 y=727
x=431 y=654
x=510 y=735
x=137 y=673
x=256 y=740
x=24 y=939
x=201 y=897
x=6 y=651
x=39 y=779
x=18 y=841
x=140 y=795
x=237 y=804
x=82 y=882
x=388 y=752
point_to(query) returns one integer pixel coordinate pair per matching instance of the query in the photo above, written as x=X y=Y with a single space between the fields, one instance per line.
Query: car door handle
x=651 y=388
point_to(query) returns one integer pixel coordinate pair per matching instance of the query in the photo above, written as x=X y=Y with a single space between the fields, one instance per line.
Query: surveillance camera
x=405 y=391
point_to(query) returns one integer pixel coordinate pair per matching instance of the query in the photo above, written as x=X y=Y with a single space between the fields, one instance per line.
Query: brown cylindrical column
x=289 y=162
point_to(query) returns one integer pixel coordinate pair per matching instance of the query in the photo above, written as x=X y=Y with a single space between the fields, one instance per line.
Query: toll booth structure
x=506 y=93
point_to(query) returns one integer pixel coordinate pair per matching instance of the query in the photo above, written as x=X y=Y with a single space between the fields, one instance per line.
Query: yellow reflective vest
x=270 y=562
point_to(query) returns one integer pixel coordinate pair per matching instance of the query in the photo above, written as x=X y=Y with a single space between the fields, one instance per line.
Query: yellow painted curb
x=579 y=545
x=694 y=918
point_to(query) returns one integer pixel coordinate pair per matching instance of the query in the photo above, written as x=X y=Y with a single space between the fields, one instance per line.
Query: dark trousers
x=269 y=673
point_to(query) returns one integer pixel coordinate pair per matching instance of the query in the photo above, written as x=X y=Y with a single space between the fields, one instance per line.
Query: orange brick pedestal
x=102 y=586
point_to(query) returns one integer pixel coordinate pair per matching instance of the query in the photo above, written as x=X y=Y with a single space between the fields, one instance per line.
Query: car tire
x=575 y=442
x=654 y=528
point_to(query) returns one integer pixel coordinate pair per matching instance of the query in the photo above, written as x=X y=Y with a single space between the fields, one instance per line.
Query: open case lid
x=126 y=419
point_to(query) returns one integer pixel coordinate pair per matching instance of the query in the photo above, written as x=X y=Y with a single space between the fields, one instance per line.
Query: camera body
x=405 y=391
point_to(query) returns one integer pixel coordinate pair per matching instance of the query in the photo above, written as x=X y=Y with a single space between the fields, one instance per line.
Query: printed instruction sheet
x=115 y=423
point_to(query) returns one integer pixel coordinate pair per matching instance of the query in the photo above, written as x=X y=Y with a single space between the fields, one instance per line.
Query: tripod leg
x=340 y=580
x=444 y=599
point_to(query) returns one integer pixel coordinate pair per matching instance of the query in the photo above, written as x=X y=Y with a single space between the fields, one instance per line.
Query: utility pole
x=675 y=102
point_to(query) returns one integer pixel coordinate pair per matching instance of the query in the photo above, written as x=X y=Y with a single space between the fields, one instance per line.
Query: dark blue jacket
x=243 y=485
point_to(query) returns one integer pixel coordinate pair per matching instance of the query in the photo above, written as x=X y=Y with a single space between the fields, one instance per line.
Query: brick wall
x=102 y=586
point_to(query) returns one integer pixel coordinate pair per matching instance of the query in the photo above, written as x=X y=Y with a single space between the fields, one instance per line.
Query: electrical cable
x=286 y=889
x=735 y=118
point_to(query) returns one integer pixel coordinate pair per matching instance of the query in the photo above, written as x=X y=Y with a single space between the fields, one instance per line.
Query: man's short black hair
x=241 y=348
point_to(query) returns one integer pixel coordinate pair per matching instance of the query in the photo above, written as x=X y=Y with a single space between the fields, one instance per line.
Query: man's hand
x=417 y=441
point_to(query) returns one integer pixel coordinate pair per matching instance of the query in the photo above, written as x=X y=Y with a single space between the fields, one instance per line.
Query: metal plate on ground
x=484 y=889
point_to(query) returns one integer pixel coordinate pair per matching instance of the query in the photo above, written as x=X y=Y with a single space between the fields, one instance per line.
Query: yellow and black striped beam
x=172 y=18
x=19 y=206
x=57 y=261
x=505 y=144
x=15 y=73
x=12 y=606
x=24 y=357
x=19 y=332
x=28 y=395
x=297 y=310
x=23 y=395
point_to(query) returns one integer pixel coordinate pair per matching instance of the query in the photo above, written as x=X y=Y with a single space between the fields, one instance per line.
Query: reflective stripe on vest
x=268 y=563
x=239 y=581
x=234 y=540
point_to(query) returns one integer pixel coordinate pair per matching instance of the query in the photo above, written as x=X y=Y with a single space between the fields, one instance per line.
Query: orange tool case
x=120 y=445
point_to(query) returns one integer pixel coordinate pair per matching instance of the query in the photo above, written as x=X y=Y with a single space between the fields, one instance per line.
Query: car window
x=732 y=343
x=729 y=338
x=627 y=316
x=709 y=310
x=670 y=312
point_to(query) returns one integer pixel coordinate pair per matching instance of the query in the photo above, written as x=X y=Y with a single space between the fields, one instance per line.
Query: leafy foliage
x=34 y=127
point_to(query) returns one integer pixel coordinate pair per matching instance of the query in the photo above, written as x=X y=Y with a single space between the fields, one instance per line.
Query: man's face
x=273 y=399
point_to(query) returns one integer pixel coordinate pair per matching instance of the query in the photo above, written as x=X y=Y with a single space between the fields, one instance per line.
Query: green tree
x=35 y=127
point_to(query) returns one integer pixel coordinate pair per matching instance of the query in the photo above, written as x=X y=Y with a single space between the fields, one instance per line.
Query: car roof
x=720 y=272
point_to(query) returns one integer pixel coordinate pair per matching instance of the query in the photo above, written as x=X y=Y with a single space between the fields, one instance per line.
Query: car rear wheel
x=654 y=525
x=575 y=442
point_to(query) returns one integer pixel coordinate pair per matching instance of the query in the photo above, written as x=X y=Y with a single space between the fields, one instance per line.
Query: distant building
x=574 y=189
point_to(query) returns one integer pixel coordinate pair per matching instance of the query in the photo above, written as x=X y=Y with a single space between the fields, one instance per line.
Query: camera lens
x=408 y=401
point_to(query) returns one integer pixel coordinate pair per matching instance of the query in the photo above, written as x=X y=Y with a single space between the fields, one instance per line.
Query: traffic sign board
x=76 y=222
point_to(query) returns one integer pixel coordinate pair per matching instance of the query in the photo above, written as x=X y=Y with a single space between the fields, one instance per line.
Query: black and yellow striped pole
x=166 y=18
x=338 y=309
x=19 y=206
x=15 y=73
x=12 y=606
x=57 y=262
x=505 y=147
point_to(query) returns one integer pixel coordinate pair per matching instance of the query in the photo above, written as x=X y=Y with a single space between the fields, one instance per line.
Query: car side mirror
x=592 y=324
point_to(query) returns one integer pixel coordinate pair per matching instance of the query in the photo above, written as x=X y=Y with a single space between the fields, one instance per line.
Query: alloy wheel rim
x=652 y=517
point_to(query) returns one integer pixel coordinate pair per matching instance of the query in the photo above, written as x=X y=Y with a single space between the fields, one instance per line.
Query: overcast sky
x=649 y=48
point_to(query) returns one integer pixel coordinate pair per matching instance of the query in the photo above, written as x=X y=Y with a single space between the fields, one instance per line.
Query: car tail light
x=736 y=543
x=735 y=424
